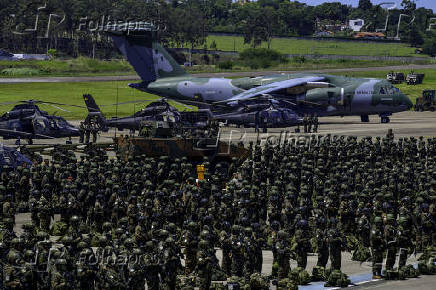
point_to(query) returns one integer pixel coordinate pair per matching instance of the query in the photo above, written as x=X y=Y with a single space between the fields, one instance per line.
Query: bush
x=429 y=46
x=261 y=58
x=25 y=71
x=299 y=59
x=228 y=64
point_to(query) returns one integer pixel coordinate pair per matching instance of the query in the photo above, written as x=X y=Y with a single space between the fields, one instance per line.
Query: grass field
x=305 y=46
x=106 y=93
x=71 y=93
x=72 y=67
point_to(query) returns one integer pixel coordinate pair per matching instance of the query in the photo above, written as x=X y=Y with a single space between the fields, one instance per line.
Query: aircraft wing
x=271 y=88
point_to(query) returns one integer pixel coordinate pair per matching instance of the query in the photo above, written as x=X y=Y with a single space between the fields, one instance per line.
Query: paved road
x=225 y=74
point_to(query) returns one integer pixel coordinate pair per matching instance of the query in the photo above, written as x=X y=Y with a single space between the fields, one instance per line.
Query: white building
x=356 y=24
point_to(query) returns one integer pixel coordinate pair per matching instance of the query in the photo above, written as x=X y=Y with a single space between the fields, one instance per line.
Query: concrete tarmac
x=405 y=124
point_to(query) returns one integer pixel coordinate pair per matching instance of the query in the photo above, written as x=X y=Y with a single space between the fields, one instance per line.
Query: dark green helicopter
x=27 y=121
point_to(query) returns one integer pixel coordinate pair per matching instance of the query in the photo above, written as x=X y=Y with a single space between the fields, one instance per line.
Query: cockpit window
x=382 y=91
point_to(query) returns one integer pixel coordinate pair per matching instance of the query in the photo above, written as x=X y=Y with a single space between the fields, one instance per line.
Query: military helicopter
x=11 y=158
x=267 y=113
x=159 y=110
x=27 y=121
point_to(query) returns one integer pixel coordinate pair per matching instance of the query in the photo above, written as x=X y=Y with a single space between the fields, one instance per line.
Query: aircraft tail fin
x=149 y=59
x=90 y=103
x=94 y=112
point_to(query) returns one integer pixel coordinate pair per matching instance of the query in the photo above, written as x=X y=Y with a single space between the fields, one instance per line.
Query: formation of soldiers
x=143 y=221
x=87 y=129
x=310 y=123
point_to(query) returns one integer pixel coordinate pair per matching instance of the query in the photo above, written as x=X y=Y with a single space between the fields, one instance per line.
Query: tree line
x=186 y=23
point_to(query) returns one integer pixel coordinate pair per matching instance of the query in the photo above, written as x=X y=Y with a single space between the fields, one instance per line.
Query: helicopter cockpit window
x=382 y=91
x=5 y=116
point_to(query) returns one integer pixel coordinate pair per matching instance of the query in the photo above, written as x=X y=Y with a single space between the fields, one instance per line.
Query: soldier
x=151 y=265
x=44 y=214
x=309 y=124
x=61 y=278
x=237 y=252
x=204 y=267
x=81 y=132
x=378 y=247
x=335 y=244
x=322 y=242
x=226 y=247
x=11 y=272
x=135 y=272
x=283 y=255
x=87 y=126
x=191 y=247
x=390 y=234
x=404 y=240
x=302 y=243
x=315 y=123
x=305 y=123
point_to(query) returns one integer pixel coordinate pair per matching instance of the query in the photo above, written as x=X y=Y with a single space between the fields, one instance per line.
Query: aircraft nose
x=406 y=101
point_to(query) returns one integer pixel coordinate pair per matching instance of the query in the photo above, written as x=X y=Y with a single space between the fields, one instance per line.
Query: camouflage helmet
x=42 y=236
x=378 y=220
x=82 y=245
x=107 y=226
x=282 y=235
x=28 y=227
x=203 y=244
x=74 y=219
x=29 y=254
x=390 y=217
x=205 y=234
x=402 y=220
x=129 y=242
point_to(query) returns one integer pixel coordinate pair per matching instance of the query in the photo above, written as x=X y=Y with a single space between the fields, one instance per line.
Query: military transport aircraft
x=27 y=121
x=325 y=95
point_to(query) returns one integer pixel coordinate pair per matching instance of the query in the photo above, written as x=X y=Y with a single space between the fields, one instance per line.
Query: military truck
x=414 y=78
x=427 y=102
x=162 y=139
x=395 y=77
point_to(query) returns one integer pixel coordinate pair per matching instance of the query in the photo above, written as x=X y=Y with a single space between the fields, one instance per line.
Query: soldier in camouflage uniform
x=302 y=243
x=204 y=265
x=283 y=255
x=191 y=248
x=377 y=247
x=390 y=234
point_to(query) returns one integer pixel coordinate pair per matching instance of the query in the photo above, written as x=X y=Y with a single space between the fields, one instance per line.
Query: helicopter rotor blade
x=184 y=105
x=60 y=104
x=10 y=103
x=59 y=108
x=129 y=102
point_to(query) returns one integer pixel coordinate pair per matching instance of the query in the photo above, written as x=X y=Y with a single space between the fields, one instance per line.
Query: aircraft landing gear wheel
x=364 y=118
x=385 y=120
